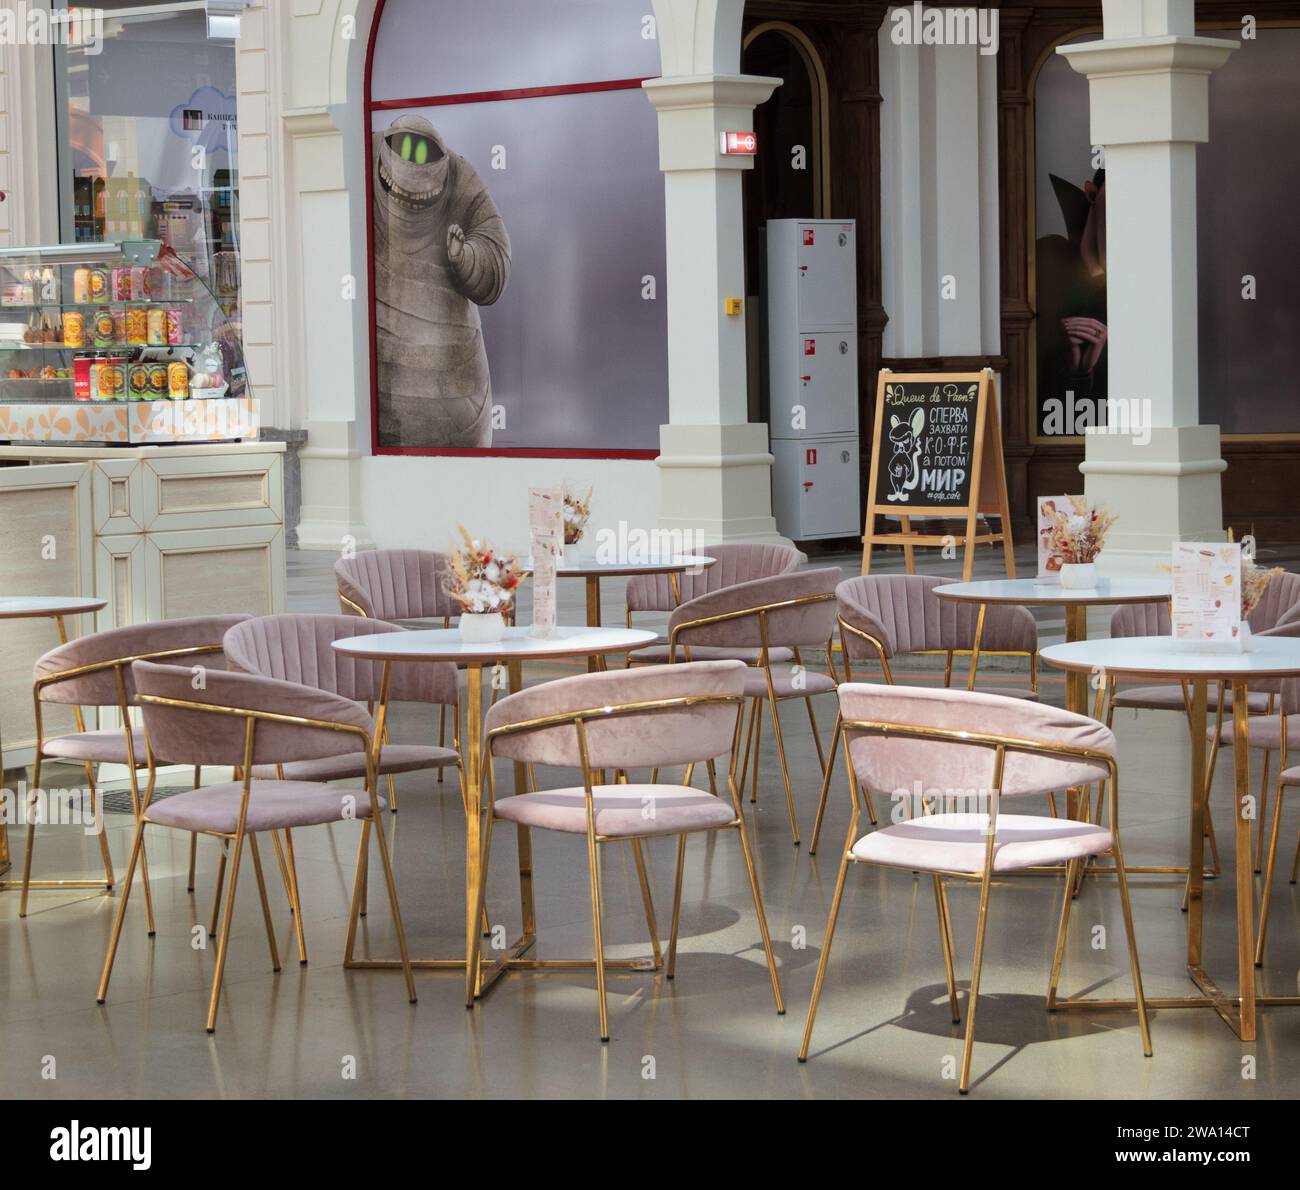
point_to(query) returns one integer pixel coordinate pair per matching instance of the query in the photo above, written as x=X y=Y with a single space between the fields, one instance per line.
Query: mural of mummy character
x=441 y=251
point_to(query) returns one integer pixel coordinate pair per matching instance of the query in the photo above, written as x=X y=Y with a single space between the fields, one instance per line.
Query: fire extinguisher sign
x=810 y=456
x=810 y=347
x=809 y=237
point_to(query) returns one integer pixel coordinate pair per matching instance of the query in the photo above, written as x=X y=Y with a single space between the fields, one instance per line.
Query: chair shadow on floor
x=1015 y=1020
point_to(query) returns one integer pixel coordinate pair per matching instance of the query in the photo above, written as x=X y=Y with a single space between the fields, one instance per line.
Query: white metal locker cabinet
x=815 y=487
x=824 y=383
x=827 y=275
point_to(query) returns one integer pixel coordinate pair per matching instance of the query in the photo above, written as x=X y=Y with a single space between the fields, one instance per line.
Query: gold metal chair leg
x=194 y=854
x=295 y=896
x=382 y=840
x=136 y=846
x=945 y=934
x=1261 y=816
x=365 y=877
x=30 y=845
x=442 y=733
x=221 y=879
x=780 y=751
x=1058 y=955
x=822 y=798
x=104 y=854
x=593 y=869
x=671 y=970
x=354 y=908
x=1143 y=1024
x=1266 y=895
x=748 y=853
x=1295 y=863
x=747 y=751
x=816 y=735
x=284 y=870
x=648 y=901
x=981 y=928
x=223 y=942
x=825 y=955
x=266 y=905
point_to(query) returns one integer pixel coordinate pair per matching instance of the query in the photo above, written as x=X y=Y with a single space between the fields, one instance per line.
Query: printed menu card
x=1206 y=610
x=546 y=541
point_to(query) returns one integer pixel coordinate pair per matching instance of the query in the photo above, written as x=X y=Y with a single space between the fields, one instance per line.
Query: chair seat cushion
x=659 y=654
x=620 y=810
x=1170 y=698
x=1290 y=776
x=956 y=843
x=272 y=805
x=394 y=758
x=1263 y=731
x=783 y=682
x=103 y=747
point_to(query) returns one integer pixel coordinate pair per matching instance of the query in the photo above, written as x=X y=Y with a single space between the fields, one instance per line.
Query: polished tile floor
x=883 y=1030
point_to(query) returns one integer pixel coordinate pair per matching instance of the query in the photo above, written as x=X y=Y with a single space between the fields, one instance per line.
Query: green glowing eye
x=421 y=151
x=406 y=147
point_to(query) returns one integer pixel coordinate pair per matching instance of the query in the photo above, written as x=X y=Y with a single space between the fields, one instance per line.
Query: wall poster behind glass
x=1247 y=242
x=517 y=230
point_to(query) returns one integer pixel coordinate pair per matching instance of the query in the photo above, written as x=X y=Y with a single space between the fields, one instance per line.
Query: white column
x=1149 y=85
x=715 y=466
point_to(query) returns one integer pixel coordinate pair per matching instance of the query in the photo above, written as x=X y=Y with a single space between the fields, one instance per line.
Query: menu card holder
x=546 y=543
x=1205 y=607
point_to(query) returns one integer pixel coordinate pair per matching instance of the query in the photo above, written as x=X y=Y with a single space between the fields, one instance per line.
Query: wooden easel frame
x=988 y=485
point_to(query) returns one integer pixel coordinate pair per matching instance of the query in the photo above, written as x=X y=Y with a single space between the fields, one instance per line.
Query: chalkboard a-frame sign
x=937 y=451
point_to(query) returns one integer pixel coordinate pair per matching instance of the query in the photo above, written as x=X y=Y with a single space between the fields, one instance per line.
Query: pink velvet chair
x=95 y=671
x=788 y=611
x=966 y=752
x=734 y=564
x=654 y=717
x=297 y=648
x=248 y=721
x=399 y=585
x=881 y=617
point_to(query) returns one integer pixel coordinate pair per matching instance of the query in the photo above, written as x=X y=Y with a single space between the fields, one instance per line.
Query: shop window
x=517 y=229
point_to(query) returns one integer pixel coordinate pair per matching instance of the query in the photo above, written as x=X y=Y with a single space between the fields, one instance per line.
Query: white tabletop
x=593 y=565
x=18 y=607
x=445 y=644
x=1030 y=591
x=1160 y=656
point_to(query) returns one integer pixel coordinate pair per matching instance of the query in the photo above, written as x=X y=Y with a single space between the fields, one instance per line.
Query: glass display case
x=117 y=343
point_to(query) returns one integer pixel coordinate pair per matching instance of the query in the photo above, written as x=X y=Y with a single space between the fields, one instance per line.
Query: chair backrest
x=890 y=763
x=798 y=609
x=1279 y=604
x=194 y=641
x=735 y=564
x=210 y=728
x=394 y=585
x=622 y=731
x=906 y=616
x=297 y=648
x=1141 y=619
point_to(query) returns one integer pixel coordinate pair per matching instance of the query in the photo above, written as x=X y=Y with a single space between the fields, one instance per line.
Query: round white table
x=56 y=608
x=1162 y=657
x=594 y=567
x=514 y=648
x=1034 y=592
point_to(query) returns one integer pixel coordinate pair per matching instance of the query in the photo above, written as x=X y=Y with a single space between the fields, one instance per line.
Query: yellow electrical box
x=735 y=306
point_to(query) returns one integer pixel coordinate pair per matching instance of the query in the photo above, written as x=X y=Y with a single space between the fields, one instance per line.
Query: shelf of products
x=86 y=326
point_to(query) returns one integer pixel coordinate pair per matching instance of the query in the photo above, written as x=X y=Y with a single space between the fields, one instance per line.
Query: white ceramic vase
x=1079 y=576
x=482 y=628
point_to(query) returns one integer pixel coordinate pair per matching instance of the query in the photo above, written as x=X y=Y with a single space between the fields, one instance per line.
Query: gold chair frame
x=578 y=720
x=754 y=731
x=118 y=666
x=1001 y=746
x=251 y=719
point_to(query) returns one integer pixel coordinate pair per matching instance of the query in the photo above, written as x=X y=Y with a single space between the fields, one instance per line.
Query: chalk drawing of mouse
x=905 y=437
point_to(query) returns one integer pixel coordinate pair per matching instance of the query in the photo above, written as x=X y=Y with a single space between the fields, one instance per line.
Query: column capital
x=1148 y=90
x=696 y=109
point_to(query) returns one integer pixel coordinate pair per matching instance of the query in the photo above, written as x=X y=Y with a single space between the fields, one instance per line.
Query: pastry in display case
x=117 y=343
